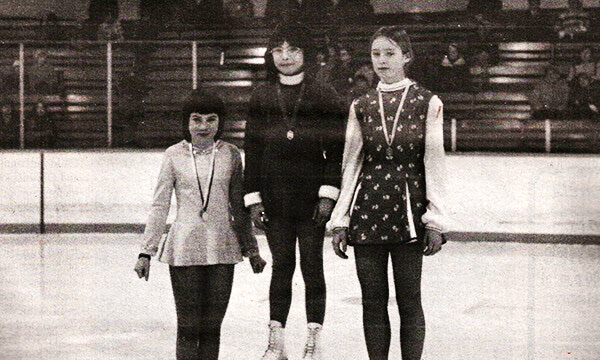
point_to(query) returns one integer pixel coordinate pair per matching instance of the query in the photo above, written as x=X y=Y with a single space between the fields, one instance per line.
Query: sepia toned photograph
x=300 y=179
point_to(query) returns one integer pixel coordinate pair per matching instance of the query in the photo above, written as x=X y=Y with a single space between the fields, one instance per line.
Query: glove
x=258 y=216
x=258 y=263
x=323 y=211
x=340 y=241
x=142 y=267
x=432 y=242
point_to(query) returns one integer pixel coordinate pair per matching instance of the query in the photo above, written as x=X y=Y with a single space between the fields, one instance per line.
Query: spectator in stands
x=212 y=230
x=294 y=136
x=51 y=28
x=342 y=70
x=479 y=69
x=10 y=79
x=586 y=65
x=324 y=65
x=584 y=98
x=43 y=79
x=110 y=29
x=573 y=21
x=550 y=96
x=354 y=11
x=363 y=80
x=453 y=71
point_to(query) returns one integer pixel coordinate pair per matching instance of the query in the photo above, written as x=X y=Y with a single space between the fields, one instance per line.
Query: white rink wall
x=507 y=193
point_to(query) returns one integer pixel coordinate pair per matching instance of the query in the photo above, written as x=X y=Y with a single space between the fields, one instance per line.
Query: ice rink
x=75 y=296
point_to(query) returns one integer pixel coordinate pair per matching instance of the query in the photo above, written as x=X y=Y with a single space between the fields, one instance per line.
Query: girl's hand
x=340 y=242
x=142 y=268
x=432 y=242
x=258 y=263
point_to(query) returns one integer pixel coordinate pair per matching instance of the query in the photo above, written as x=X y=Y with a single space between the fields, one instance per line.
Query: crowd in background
x=561 y=93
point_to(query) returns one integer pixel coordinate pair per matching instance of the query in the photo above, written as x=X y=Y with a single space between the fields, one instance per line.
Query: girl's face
x=203 y=126
x=288 y=59
x=388 y=60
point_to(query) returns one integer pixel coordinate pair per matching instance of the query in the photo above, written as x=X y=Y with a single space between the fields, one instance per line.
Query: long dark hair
x=397 y=35
x=295 y=34
x=202 y=102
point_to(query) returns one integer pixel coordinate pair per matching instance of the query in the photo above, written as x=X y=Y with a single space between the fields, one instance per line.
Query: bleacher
x=493 y=116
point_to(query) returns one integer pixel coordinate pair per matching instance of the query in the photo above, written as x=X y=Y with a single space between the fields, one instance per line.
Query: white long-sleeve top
x=435 y=217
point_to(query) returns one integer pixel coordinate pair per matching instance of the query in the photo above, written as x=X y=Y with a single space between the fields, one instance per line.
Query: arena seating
x=492 y=116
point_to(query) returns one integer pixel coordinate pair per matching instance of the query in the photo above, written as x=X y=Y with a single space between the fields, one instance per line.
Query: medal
x=290 y=122
x=209 y=178
x=389 y=139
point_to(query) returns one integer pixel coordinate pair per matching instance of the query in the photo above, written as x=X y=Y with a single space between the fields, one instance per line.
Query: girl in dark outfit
x=391 y=200
x=293 y=149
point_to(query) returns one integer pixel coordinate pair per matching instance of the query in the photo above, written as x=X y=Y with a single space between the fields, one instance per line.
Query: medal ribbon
x=209 y=177
x=390 y=139
x=290 y=122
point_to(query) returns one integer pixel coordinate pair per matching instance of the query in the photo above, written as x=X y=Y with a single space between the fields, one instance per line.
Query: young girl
x=294 y=141
x=212 y=230
x=391 y=200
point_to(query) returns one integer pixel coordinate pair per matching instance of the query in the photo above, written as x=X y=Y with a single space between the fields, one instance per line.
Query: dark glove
x=340 y=242
x=258 y=263
x=258 y=216
x=433 y=242
x=142 y=267
x=323 y=211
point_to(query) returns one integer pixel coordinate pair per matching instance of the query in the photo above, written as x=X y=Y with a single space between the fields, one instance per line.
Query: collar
x=291 y=79
x=394 y=86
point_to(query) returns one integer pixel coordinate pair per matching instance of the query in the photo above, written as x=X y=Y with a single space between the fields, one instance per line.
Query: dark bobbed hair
x=397 y=35
x=295 y=34
x=202 y=102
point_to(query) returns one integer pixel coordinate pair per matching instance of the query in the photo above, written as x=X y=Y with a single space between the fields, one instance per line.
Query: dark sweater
x=289 y=173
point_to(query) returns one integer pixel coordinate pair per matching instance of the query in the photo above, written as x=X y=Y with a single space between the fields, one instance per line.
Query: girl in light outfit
x=391 y=200
x=212 y=230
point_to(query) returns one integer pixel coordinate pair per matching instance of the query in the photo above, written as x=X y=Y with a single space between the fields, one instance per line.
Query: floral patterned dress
x=391 y=199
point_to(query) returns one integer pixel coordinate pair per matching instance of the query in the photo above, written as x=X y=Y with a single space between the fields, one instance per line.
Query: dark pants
x=281 y=236
x=201 y=298
x=372 y=269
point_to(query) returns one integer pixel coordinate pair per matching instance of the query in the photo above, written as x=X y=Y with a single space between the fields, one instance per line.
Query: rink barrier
x=493 y=197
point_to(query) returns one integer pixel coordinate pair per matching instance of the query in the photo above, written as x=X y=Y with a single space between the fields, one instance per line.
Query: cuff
x=142 y=255
x=330 y=192
x=252 y=199
x=434 y=228
x=251 y=253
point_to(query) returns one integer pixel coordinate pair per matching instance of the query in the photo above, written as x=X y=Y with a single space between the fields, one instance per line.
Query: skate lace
x=311 y=344
x=272 y=342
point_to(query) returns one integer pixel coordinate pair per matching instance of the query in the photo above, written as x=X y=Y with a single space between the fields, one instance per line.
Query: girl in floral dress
x=391 y=200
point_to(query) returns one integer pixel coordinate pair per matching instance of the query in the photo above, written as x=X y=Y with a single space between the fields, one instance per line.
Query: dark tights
x=281 y=236
x=372 y=269
x=201 y=298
